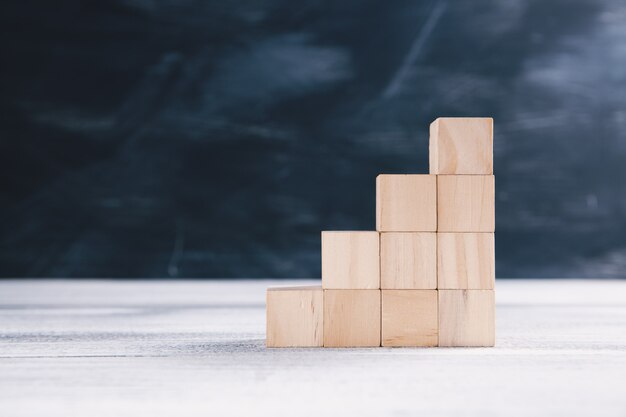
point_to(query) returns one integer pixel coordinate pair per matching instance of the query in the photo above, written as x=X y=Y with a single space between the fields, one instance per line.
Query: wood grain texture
x=188 y=348
x=408 y=260
x=406 y=203
x=294 y=317
x=466 y=203
x=352 y=318
x=461 y=145
x=466 y=261
x=467 y=318
x=409 y=318
x=350 y=260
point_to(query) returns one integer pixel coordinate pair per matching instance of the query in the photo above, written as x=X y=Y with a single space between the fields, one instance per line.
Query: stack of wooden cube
x=425 y=277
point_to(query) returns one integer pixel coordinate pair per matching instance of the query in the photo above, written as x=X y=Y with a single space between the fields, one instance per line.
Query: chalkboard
x=217 y=139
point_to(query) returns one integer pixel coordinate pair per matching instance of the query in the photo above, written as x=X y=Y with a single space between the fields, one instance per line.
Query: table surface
x=114 y=348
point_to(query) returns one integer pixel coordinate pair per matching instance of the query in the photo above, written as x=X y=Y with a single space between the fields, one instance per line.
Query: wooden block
x=350 y=260
x=408 y=260
x=466 y=203
x=461 y=145
x=294 y=317
x=409 y=318
x=466 y=261
x=351 y=318
x=406 y=203
x=467 y=318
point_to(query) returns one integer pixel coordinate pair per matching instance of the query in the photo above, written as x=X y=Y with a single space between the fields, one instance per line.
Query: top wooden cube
x=461 y=145
x=406 y=203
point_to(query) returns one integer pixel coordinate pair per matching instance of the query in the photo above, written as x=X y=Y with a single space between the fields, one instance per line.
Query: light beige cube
x=466 y=203
x=350 y=260
x=461 y=145
x=466 y=261
x=406 y=203
x=409 y=318
x=408 y=260
x=351 y=318
x=295 y=316
x=467 y=318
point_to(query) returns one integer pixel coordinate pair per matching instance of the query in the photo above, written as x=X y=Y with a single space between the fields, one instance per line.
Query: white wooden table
x=177 y=348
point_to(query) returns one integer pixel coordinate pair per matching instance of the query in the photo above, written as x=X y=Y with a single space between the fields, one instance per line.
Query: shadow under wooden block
x=295 y=316
x=461 y=145
x=467 y=318
x=406 y=203
x=466 y=261
x=408 y=260
x=351 y=318
x=350 y=260
x=409 y=318
x=465 y=203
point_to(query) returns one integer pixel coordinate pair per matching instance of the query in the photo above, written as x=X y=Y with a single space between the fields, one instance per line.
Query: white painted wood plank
x=182 y=348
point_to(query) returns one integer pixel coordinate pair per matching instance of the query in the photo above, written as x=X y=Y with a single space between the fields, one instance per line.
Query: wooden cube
x=466 y=203
x=408 y=260
x=467 y=318
x=295 y=317
x=409 y=318
x=350 y=260
x=351 y=318
x=461 y=145
x=406 y=203
x=466 y=261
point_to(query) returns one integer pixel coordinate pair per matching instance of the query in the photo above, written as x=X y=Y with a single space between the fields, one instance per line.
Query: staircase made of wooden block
x=425 y=276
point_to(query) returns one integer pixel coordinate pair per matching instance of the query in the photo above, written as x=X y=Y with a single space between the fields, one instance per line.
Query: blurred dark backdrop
x=155 y=138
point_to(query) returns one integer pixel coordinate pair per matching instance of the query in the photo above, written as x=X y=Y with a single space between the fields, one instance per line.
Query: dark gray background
x=153 y=138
